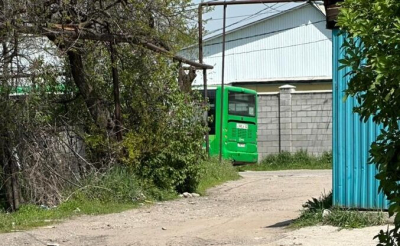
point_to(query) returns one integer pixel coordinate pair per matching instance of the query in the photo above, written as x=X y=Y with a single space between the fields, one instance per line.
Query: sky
x=239 y=15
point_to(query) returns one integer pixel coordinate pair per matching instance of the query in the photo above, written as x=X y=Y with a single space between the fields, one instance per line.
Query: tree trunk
x=117 y=102
x=10 y=175
x=95 y=105
x=185 y=80
x=10 y=182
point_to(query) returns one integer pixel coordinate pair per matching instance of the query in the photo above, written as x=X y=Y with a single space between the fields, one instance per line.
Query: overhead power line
x=239 y=16
x=244 y=19
x=277 y=48
x=263 y=34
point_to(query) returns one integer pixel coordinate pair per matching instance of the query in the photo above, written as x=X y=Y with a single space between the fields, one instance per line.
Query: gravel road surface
x=251 y=211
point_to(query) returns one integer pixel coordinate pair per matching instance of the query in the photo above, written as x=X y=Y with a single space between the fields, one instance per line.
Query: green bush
x=165 y=131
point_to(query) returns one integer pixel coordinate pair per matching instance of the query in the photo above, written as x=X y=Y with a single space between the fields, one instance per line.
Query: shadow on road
x=280 y=224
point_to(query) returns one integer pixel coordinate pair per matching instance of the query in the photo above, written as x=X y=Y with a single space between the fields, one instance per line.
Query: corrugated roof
x=293 y=45
x=318 y=6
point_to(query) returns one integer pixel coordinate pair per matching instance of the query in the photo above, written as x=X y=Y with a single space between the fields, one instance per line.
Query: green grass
x=342 y=218
x=112 y=192
x=288 y=161
x=214 y=173
x=30 y=216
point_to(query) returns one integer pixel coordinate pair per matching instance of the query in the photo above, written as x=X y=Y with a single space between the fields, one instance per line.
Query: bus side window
x=211 y=115
x=211 y=94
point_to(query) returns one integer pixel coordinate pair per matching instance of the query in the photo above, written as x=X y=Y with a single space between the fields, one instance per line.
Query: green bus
x=239 y=124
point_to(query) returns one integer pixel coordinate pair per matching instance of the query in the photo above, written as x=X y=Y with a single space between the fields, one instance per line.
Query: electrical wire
x=239 y=16
x=263 y=34
x=276 y=48
x=240 y=21
x=271 y=7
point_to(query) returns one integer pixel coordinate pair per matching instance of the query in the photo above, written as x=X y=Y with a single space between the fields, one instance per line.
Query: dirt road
x=250 y=211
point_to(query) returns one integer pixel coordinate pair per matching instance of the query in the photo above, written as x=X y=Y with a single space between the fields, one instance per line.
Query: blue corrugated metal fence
x=354 y=183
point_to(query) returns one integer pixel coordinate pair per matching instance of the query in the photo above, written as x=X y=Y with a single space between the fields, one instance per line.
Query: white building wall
x=294 y=45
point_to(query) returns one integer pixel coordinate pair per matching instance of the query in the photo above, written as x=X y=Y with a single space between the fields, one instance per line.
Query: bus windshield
x=242 y=104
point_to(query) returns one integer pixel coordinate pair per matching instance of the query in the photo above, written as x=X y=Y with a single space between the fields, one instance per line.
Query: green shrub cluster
x=163 y=126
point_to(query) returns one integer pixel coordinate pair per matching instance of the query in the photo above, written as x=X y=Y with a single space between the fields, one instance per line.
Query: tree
x=103 y=52
x=372 y=54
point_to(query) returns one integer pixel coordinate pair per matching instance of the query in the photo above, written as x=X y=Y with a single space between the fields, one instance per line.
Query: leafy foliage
x=324 y=202
x=93 y=79
x=372 y=54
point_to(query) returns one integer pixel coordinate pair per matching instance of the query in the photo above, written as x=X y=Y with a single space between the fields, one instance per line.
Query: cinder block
x=327 y=106
x=323 y=125
x=274 y=143
x=286 y=144
x=303 y=125
x=285 y=102
x=326 y=119
x=299 y=137
x=272 y=126
x=326 y=113
x=297 y=131
x=317 y=119
x=272 y=150
x=272 y=103
x=311 y=113
x=309 y=125
x=299 y=143
x=316 y=107
x=272 y=137
x=286 y=120
x=262 y=115
x=311 y=102
x=265 y=108
x=296 y=119
x=306 y=119
x=262 y=133
x=326 y=143
x=262 y=126
x=302 y=114
x=286 y=125
x=296 y=108
x=272 y=114
x=286 y=114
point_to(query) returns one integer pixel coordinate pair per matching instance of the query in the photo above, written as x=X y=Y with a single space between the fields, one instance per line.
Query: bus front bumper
x=241 y=157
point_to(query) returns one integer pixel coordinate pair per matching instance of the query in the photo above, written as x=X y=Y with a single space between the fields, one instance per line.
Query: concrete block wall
x=293 y=120
x=268 y=124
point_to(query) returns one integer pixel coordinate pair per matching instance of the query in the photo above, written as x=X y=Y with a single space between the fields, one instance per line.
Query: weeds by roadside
x=115 y=191
x=321 y=212
x=214 y=173
x=288 y=161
